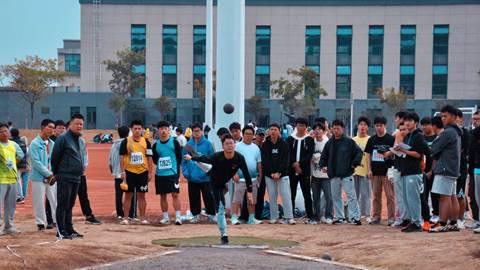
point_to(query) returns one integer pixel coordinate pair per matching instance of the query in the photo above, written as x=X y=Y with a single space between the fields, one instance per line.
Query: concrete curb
x=313 y=259
x=149 y=256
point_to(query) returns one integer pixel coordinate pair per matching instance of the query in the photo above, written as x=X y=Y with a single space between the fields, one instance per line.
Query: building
x=428 y=48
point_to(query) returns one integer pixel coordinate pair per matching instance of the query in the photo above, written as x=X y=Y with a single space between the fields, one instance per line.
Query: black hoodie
x=341 y=156
x=275 y=157
x=307 y=147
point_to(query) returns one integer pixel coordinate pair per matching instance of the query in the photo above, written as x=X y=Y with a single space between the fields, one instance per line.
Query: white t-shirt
x=316 y=170
x=252 y=156
x=182 y=140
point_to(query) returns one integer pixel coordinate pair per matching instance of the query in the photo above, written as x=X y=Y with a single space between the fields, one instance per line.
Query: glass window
x=169 y=44
x=196 y=115
x=312 y=46
x=407 y=45
x=169 y=85
x=262 y=85
x=138 y=43
x=440 y=61
x=374 y=83
x=72 y=63
x=74 y=110
x=407 y=84
x=91 y=117
x=262 y=61
x=198 y=82
x=343 y=86
x=375 y=45
x=439 y=86
x=199 y=45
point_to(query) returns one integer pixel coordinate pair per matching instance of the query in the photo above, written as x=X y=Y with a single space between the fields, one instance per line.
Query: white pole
x=209 y=66
x=351 y=115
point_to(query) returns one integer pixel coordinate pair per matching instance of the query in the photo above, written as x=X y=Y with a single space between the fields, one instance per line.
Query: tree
x=254 y=106
x=200 y=88
x=394 y=100
x=33 y=76
x=163 y=105
x=299 y=93
x=125 y=78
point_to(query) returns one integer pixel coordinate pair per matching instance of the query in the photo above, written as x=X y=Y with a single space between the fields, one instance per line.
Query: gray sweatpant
x=283 y=186
x=413 y=188
x=353 y=210
x=363 y=189
x=399 y=195
x=477 y=189
x=8 y=203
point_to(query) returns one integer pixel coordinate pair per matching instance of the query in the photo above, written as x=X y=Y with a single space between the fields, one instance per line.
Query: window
x=375 y=60
x=440 y=61
x=169 y=70
x=344 y=61
x=262 y=61
x=91 y=117
x=172 y=116
x=74 y=110
x=199 y=59
x=196 y=116
x=138 y=40
x=312 y=46
x=45 y=110
x=407 y=59
x=72 y=63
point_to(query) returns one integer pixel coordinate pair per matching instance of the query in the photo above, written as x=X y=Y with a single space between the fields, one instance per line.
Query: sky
x=36 y=27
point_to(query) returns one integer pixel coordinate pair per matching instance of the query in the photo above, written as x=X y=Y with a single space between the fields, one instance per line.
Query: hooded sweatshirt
x=446 y=149
x=275 y=157
x=301 y=150
x=190 y=169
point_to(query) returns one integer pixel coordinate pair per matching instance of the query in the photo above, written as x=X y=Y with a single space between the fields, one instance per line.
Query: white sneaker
x=212 y=218
x=368 y=219
x=477 y=230
x=329 y=221
x=134 y=220
x=473 y=225
x=125 y=222
x=254 y=222
x=398 y=223
x=434 y=219
x=188 y=215
x=195 y=219
x=292 y=221
x=178 y=221
x=234 y=220
x=144 y=222
x=120 y=218
x=461 y=224
x=11 y=230
x=273 y=221
x=165 y=221
x=323 y=220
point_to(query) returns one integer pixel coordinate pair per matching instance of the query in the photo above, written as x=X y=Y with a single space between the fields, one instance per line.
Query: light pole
x=209 y=66
x=351 y=114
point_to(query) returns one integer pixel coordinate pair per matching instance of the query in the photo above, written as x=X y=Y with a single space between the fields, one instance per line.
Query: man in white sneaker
x=167 y=154
x=252 y=155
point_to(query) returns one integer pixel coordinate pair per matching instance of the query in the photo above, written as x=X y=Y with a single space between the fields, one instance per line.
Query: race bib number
x=10 y=164
x=377 y=156
x=164 y=163
x=136 y=158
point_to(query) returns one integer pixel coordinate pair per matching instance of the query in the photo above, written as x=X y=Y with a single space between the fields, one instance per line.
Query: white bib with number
x=377 y=156
x=164 y=163
x=136 y=158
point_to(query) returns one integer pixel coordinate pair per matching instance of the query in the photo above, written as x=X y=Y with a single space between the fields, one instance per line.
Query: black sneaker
x=64 y=235
x=412 y=228
x=356 y=222
x=40 y=227
x=405 y=223
x=338 y=221
x=92 y=220
x=224 y=240
x=75 y=234
x=51 y=226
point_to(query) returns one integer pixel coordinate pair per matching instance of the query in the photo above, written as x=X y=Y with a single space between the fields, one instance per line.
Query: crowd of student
x=422 y=167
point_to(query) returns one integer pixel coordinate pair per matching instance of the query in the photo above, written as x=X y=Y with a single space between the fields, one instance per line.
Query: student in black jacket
x=340 y=157
x=301 y=147
x=275 y=164
x=67 y=167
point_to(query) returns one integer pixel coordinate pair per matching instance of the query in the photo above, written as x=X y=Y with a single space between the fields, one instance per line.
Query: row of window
x=91 y=119
x=312 y=58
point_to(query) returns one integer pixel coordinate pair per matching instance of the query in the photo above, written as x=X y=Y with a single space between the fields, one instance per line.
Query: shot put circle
x=228 y=108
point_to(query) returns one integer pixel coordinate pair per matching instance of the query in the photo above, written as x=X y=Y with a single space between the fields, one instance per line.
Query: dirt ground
x=368 y=245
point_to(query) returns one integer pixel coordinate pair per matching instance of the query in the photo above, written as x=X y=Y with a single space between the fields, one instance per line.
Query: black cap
x=260 y=131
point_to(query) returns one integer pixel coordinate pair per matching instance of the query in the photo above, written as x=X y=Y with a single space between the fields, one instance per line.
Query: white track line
x=313 y=259
x=121 y=262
